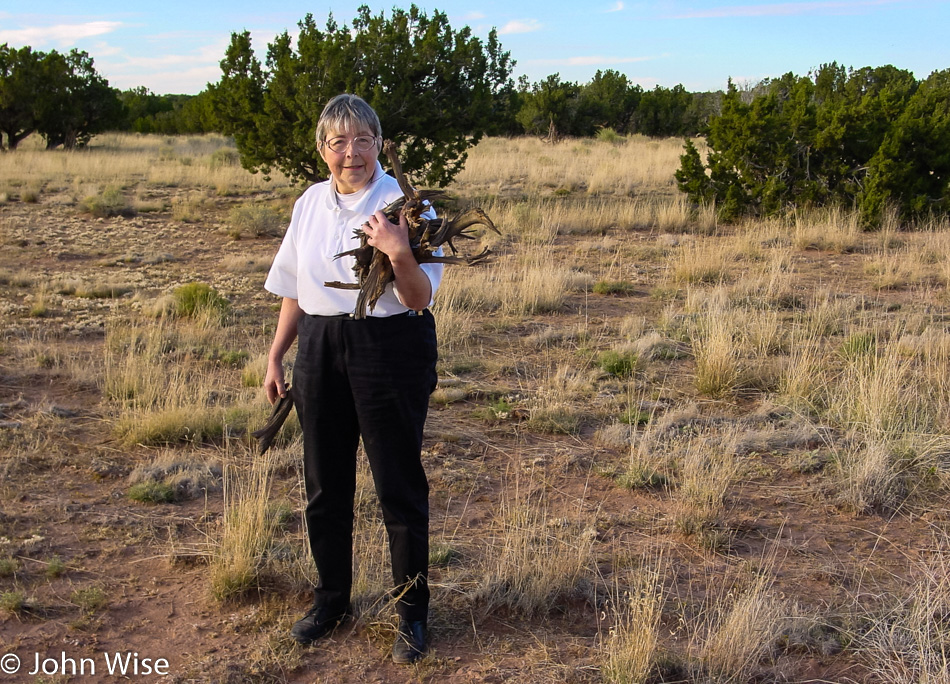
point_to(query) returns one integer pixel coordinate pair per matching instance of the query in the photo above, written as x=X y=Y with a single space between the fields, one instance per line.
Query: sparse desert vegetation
x=663 y=448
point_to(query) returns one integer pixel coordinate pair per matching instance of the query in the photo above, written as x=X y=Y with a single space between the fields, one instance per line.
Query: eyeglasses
x=361 y=143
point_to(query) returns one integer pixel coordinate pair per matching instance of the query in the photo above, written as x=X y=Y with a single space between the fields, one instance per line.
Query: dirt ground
x=67 y=525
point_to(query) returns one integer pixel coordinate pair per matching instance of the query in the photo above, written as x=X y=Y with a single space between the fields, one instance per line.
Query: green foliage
x=911 y=168
x=611 y=136
x=73 y=102
x=619 y=363
x=433 y=88
x=610 y=101
x=12 y=601
x=870 y=138
x=442 y=555
x=55 y=568
x=606 y=287
x=21 y=73
x=195 y=299
x=8 y=567
x=79 y=103
x=152 y=492
x=859 y=346
x=691 y=176
x=146 y=112
x=89 y=599
x=550 y=106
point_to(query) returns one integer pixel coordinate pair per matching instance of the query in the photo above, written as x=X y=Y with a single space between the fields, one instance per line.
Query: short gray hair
x=347 y=113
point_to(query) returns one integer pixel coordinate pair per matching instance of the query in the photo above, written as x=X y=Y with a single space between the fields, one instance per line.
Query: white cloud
x=171 y=73
x=472 y=16
x=520 y=26
x=59 y=34
x=185 y=81
x=103 y=49
x=617 y=7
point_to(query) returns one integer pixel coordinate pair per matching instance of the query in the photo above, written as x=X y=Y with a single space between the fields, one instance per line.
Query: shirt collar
x=331 y=196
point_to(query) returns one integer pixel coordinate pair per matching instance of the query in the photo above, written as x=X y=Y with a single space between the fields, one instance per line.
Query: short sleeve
x=282 y=277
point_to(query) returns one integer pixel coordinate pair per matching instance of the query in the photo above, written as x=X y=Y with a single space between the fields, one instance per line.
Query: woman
x=352 y=378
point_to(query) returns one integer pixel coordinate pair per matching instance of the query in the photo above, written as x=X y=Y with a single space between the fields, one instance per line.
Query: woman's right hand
x=274 y=383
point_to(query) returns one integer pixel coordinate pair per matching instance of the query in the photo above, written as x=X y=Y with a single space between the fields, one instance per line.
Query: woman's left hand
x=390 y=238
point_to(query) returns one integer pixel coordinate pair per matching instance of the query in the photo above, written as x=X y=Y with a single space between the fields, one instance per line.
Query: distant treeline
x=875 y=139
x=575 y=109
x=145 y=112
x=65 y=100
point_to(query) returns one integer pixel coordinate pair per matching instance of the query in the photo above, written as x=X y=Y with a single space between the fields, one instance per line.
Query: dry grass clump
x=533 y=558
x=91 y=290
x=240 y=263
x=533 y=286
x=702 y=262
x=632 y=639
x=908 y=641
x=189 y=208
x=830 y=230
x=255 y=220
x=180 y=478
x=248 y=528
x=164 y=382
x=741 y=631
x=715 y=350
x=706 y=472
x=108 y=202
x=673 y=216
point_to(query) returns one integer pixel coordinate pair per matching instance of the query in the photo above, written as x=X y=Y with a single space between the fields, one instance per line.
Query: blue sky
x=175 y=46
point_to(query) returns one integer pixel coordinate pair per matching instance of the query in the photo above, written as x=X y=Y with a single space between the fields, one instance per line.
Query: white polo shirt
x=322 y=227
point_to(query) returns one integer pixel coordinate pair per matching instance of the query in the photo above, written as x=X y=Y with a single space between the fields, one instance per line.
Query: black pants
x=369 y=377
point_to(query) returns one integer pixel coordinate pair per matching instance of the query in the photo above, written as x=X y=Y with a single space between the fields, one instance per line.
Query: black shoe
x=410 y=645
x=318 y=622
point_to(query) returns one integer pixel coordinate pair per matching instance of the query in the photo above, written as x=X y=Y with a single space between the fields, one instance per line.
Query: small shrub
x=8 y=567
x=607 y=287
x=12 y=601
x=555 y=418
x=611 y=136
x=109 y=202
x=90 y=599
x=224 y=157
x=152 y=492
x=442 y=555
x=499 y=409
x=255 y=220
x=188 y=209
x=858 y=346
x=232 y=359
x=30 y=195
x=195 y=299
x=55 y=567
x=621 y=364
